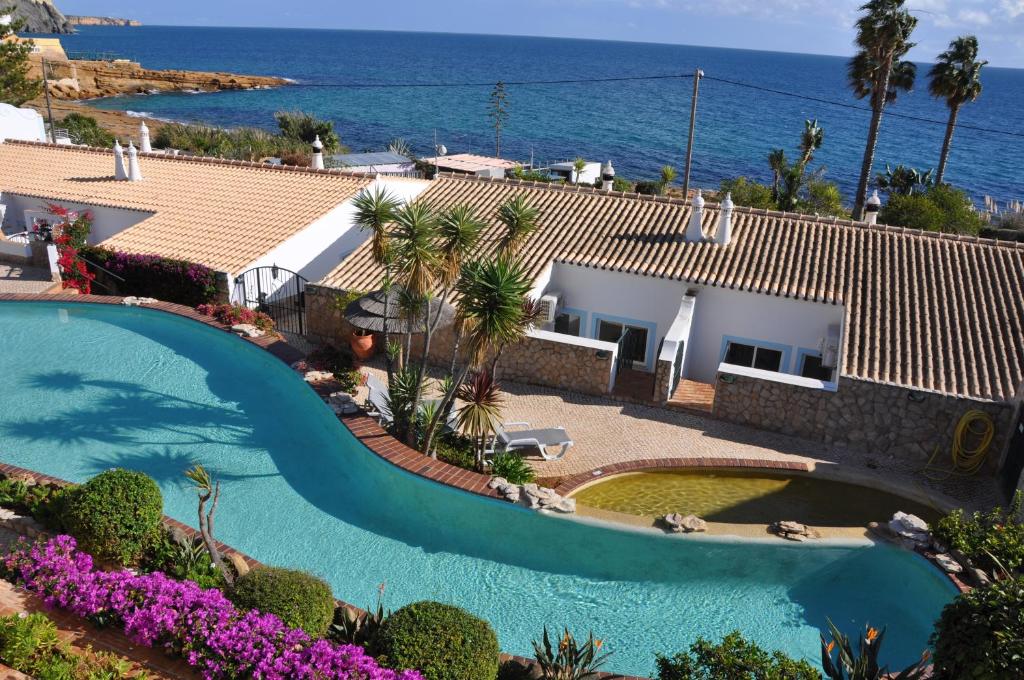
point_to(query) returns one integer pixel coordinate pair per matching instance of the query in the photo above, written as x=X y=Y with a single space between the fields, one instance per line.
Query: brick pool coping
x=378 y=441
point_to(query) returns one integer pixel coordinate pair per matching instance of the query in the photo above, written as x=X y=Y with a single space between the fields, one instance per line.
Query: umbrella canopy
x=367 y=313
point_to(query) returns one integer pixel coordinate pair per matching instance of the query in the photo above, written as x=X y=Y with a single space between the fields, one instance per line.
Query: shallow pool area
x=90 y=387
x=748 y=497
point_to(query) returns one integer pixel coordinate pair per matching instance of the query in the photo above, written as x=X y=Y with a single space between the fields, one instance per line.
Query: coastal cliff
x=76 y=20
x=41 y=16
x=81 y=79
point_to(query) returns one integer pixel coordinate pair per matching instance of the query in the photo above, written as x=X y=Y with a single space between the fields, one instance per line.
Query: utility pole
x=49 y=110
x=697 y=75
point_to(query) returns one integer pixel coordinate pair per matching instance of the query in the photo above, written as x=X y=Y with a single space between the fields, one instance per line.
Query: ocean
x=639 y=125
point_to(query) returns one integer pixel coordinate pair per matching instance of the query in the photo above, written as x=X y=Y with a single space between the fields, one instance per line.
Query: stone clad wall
x=325 y=323
x=861 y=414
x=662 y=375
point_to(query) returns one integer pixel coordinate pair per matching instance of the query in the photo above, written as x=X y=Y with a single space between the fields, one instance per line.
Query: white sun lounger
x=541 y=439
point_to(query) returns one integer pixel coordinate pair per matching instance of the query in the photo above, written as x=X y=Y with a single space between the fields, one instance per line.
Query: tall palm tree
x=878 y=71
x=520 y=220
x=955 y=77
x=375 y=210
x=778 y=163
x=460 y=230
x=418 y=266
x=491 y=295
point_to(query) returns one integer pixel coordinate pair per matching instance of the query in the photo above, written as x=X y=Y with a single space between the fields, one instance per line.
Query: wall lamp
x=727 y=378
x=602 y=354
x=916 y=397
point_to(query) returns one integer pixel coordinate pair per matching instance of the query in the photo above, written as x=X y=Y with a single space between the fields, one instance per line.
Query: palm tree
x=375 y=210
x=877 y=71
x=481 y=411
x=810 y=140
x=418 y=265
x=460 y=231
x=579 y=165
x=668 y=175
x=520 y=220
x=779 y=165
x=955 y=77
x=491 y=296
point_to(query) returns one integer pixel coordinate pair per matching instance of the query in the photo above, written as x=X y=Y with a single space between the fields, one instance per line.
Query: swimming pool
x=90 y=387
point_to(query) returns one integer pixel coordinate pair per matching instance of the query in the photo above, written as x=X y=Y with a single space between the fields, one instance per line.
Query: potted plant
x=361 y=342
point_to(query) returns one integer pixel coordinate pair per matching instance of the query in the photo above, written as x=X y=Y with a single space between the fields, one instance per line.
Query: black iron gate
x=277 y=292
x=631 y=347
x=1014 y=465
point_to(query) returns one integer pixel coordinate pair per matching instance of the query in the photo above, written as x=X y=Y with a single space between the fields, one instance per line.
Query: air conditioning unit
x=829 y=347
x=548 y=307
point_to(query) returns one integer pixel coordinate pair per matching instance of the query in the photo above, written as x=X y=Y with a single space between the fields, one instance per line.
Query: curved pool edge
x=362 y=427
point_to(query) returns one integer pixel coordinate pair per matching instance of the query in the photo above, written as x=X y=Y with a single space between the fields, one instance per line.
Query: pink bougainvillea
x=200 y=625
x=231 y=315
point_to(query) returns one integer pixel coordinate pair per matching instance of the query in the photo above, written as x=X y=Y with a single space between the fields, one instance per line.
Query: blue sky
x=817 y=26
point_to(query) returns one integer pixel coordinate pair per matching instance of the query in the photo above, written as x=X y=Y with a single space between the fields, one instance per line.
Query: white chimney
x=694 y=232
x=134 y=173
x=872 y=207
x=318 y=154
x=144 y=143
x=119 y=168
x=724 y=233
x=607 y=176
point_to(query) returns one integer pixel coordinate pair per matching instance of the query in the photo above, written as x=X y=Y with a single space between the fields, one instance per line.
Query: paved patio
x=15 y=278
x=607 y=431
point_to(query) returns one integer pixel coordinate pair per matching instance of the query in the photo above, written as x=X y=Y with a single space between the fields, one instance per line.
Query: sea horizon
x=638 y=125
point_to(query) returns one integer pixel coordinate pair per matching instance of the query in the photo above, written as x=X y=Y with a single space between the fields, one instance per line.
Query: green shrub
x=822 y=198
x=299 y=599
x=25 y=642
x=456 y=449
x=941 y=208
x=958 y=211
x=115 y=515
x=302 y=127
x=734 y=659
x=991 y=540
x=748 y=193
x=442 y=641
x=46 y=503
x=513 y=467
x=648 y=187
x=85 y=130
x=980 y=634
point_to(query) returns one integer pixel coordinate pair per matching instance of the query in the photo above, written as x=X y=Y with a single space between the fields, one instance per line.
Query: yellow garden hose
x=971 y=440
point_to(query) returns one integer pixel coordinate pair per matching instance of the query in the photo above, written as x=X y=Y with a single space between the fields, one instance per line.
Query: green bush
x=442 y=641
x=748 y=193
x=734 y=659
x=991 y=540
x=941 y=208
x=299 y=599
x=513 y=467
x=456 y=449
x=116 y=515
x=85 y=130
x=303 y=128
x=980 y=634
x=30 y=644
x=46 y=503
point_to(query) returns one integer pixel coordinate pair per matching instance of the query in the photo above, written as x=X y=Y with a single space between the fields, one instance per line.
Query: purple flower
x=200 y=625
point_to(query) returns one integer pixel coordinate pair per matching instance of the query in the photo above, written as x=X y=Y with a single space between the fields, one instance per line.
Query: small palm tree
x=520 y=220
x=579 y=165
x=779 y=165
x=879 y=72
x=668 y=175
x=375 y=211
x=481 y=410
x=955 y=77
x=209 y=490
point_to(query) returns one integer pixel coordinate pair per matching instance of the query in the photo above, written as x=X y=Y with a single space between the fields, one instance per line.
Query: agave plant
x=864 y=664
x=570 y=660
x=404 y=392
x=354 y=627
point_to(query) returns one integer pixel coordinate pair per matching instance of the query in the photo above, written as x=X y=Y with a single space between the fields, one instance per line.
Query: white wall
x=316 y=250
x=622 y=298
x=106 y=221
x=22 y=124
x=722 y=312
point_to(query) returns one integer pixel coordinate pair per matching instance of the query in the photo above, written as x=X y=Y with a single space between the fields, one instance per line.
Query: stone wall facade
x=662 y=379
x=885 y=419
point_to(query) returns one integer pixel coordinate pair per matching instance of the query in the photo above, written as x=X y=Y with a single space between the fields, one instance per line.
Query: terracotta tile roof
x=931 y=311
x=224 y=214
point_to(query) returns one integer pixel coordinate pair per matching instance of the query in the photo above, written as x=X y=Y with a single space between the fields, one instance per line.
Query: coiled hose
x=971 y=441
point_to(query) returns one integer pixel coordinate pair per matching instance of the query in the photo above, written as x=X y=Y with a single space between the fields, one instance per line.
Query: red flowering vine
x=70 y=236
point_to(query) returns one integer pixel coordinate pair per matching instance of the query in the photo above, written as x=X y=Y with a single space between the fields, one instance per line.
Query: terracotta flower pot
x=362 y=344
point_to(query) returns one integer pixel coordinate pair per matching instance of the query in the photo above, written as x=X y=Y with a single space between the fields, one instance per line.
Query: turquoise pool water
x=85 y=388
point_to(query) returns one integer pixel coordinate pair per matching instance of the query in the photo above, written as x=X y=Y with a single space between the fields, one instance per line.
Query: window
x=568 y=324
x=762 y=358
x=811 y=367
x=635 y=347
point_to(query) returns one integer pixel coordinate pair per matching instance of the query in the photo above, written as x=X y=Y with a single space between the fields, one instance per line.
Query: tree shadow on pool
x=166 y=466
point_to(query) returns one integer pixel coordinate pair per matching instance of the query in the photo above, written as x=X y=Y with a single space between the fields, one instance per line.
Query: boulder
x=911 y=530
x=792 y=531
x=247 y=330
x=497 y=482
x=948 y=564
x=317 y=376
x=240 y=565
x=134 y=301
x=687 y=524
x=538 y=497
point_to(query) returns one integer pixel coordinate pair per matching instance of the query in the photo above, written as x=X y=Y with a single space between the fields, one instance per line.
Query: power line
x=574 y=81
x=855 y=107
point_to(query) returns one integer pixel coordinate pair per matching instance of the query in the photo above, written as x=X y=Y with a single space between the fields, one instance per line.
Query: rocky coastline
x=41 y=16
x=76 y=20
